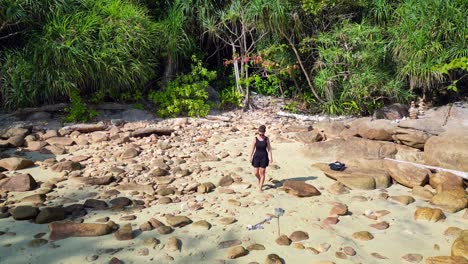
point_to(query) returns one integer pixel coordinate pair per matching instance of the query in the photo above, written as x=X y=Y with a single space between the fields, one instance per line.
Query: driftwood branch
x=46 y=108
x=144 y=132
x=86 y=128
x=219 y=118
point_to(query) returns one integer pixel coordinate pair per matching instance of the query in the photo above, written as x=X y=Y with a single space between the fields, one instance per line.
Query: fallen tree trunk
x=45 y=108
x=86 y=128
x=462 y=174
x=317 y=118
x=219 y=118
x=144 y=132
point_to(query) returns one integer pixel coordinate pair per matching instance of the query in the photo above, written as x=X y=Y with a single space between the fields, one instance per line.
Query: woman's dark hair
x=262 y=129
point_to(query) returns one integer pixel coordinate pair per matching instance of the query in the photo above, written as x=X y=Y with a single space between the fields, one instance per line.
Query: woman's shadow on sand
x=275 y=184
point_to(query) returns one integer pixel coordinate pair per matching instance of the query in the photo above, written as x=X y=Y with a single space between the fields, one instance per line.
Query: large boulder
x=377 y=130
x=18 y=183
x=25 y=212
x=446 y=260
x=460 y=245
x=300 y=189
x=66 y=166
x=392 y=112
x=411 y=137
x=15 y=163
x=178 y=220
x=407 y=174
x=443 y=181
x=358 y=178
x=448 y=150
x=428 y=214
x=450 y=201
x=308 y=137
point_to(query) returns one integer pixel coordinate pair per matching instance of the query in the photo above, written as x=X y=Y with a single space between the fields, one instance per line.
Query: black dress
x=260 y=158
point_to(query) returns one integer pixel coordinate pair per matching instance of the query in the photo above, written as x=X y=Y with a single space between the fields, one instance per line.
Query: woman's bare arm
x=253 y=150
x=270 y=153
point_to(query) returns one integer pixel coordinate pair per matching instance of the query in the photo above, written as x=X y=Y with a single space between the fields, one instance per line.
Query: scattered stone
x=341 y=255
x=69 y=229
x=18 y=183
x=178 y=221
x=349 y=251
x=331 y=221
x=380 y=226
x=227 y=220
x=428 y=214
x=202 y=224
x=338 y=188
x=105 y=180
x=165 y=191
x=236 y=252
x=50 y=214
x=412 y=258
x=283 y=240
x=165 y=200
x=226 y=181
x=363 y=235
x=300 y=189
x=143 y=252
x=165 y=230
x=403 y=199
x=66 y=166
x=95 y=204
x=324 y=247
x=155 y=223
x=297 y=236
x=115 y=260
x=120 y=202
x=35 y=243
x=229 y=243
x=256 y=247
x=14 y=163
x=339 y=209
x=173 y=244
x=273 y=259
x=128 y=218
x=25 y=212
x=378 y=256
x=124 y=233
x=205 y=187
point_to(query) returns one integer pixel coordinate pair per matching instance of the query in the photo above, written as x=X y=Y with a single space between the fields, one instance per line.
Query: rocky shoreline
x=181 y=191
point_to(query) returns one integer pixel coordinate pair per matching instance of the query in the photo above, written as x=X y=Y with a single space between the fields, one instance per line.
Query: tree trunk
x=168 y=72
x=306 y=75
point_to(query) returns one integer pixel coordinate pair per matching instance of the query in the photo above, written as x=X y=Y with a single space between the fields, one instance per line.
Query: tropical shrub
x=352 y=71
x=89 y=45
x=230 y=98
x=186 y=94
x=424 y=37
x=78 y=111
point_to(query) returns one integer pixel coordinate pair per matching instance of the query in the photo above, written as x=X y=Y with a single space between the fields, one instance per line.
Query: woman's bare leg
x=257 y=174
x=262 y=178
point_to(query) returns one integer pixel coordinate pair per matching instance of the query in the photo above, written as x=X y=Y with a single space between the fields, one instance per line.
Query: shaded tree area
x=332 y=56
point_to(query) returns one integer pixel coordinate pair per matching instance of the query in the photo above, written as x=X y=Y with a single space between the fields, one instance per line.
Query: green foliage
x=424 y=37
x=230 y=97
x=86 y=45
x=351 y=72
x=456 y=64
x=78 y=112
x=186 y=95
x=292 y=107
x=264 y=85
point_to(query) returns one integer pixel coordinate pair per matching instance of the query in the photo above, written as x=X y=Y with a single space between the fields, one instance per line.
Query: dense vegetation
x=334 y=56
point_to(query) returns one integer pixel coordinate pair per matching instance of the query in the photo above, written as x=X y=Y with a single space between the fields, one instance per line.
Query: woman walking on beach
x=261 y=155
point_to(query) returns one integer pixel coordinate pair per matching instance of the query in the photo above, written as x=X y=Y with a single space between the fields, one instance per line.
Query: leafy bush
x=78 y=112
x=425 y=37
x=186 y=95
x=86 y=45
x=352 y=71
x=230 y=98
